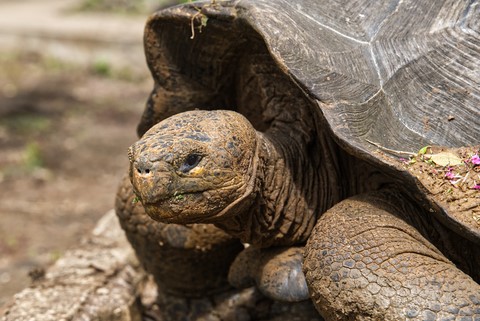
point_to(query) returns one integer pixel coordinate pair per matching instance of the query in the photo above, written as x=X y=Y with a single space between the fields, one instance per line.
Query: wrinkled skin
x=350 y=274
x=190 y=265
x=376 y=247
x=277 y=272
x=169 y=251
x=179 y=170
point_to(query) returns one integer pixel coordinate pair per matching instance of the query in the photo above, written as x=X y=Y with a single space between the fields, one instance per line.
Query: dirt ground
x=64 y=132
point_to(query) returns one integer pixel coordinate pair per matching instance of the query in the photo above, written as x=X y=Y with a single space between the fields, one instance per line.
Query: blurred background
x=73 y=83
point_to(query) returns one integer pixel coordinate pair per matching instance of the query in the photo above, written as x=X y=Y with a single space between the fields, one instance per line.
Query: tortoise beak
x=151 y=180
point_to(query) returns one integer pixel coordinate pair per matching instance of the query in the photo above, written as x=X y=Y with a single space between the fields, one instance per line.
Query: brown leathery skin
x=179 y=257
x=193 y=166
x=303 y=172
x=190 y=265
x=289 y=129
x=234 y=185
x=266 y=220
x=365 y=262
x=283 y=190
x=276 y=271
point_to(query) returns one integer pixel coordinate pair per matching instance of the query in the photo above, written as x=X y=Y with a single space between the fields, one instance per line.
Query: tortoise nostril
x=143 y=168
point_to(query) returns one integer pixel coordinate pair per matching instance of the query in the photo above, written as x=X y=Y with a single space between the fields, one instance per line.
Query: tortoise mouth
x=181 y=208
x=176 y=198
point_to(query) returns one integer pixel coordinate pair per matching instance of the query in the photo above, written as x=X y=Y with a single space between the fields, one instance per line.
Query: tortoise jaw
x=170 y=209
x=159 y=211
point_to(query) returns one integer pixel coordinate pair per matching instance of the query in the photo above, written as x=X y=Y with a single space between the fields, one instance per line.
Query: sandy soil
x=451 y=176
x=64 y=132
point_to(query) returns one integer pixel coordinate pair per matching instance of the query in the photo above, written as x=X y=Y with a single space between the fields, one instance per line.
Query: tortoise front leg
x=364 y=262
x=277 y=272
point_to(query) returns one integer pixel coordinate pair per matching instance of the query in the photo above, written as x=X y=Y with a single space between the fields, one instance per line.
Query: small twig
x=465 y=178
x=203 y=19
x=400 y=152
x=192 y=23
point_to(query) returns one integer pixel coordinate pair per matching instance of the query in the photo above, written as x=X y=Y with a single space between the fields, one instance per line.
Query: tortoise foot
x=277 y=272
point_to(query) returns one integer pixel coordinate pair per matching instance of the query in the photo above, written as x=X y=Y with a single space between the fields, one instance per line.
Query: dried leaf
x=445 y=159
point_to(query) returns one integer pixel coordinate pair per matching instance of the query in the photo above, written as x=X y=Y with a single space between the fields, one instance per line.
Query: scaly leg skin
x=363 y=262
x=188 y=261
x=277 y=272
x=190 y=265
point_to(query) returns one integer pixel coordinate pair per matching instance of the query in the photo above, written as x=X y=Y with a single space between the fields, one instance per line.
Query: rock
x=99 y=280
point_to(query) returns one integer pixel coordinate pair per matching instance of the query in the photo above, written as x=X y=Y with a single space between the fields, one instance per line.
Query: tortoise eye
x=191 y=161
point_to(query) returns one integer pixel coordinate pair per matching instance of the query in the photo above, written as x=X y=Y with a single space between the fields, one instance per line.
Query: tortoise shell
x=385 y=77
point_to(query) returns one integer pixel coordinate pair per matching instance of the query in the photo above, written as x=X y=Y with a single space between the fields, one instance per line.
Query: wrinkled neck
x=295 y=183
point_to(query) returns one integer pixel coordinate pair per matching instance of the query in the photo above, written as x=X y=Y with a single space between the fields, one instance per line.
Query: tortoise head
x=197 y=166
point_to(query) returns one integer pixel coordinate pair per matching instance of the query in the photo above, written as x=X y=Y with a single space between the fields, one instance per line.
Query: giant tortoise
x=282 y=123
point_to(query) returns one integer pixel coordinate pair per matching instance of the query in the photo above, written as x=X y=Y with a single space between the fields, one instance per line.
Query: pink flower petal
x=475 y=159
x=449 y=175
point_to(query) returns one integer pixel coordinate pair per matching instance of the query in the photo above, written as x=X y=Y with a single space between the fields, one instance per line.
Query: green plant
x=27 y=123
x=33 y=156
x=102 y=67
